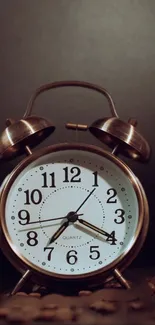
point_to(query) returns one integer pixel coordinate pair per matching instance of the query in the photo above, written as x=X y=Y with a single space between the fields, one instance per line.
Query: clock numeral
x=111 y=239
x=25 y=216
x=71 y=257
x=121 y=216
x=95 y=179
x=35 y=196
x=74 y=179
x=113 y=193
x=32 y=238
x=48 y=179
x=95 y=251
x=50 y=252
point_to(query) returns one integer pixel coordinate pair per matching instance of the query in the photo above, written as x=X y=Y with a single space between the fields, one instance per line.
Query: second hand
x=46 y=220
x=85 y=200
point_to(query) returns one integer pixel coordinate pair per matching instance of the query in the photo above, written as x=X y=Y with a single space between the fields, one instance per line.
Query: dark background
x=107 y=42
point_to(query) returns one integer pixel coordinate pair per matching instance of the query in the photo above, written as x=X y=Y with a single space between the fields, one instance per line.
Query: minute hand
x=89 y=225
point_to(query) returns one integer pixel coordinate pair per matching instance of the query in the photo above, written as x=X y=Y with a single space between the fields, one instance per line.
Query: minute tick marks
x=94 y=193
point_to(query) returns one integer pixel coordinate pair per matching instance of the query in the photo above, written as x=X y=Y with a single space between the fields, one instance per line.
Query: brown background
x=108 y=42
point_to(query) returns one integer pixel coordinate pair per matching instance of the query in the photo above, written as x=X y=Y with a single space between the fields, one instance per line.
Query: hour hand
x=58 y=232
x=89 y=225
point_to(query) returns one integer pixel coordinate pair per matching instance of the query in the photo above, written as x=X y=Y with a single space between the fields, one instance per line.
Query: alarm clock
x=73 y=215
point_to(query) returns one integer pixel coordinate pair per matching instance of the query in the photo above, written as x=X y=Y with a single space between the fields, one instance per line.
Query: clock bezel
x=22 y=264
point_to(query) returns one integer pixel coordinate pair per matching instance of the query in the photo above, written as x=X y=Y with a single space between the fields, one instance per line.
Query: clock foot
x=21 y=282
x=121 y=279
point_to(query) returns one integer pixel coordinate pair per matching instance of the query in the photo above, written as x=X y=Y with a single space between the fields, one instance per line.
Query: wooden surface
x=107 y=306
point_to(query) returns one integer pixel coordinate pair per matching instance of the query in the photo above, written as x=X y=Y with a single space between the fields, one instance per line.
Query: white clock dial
x=60 y=183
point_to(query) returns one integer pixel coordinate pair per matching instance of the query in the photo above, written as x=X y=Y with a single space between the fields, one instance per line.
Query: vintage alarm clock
x=73 y=215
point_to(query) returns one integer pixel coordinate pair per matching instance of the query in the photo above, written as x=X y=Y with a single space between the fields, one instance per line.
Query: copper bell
x=27 y=132
x=113 y=131
x=31 y=130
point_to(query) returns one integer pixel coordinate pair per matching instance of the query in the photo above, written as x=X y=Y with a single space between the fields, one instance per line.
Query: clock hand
x=71 y=217
x=89 y=225
x=52 y=219
x=59 y=232
x=85 y=200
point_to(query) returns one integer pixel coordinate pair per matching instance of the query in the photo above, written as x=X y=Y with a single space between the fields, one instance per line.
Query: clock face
x=71 y=212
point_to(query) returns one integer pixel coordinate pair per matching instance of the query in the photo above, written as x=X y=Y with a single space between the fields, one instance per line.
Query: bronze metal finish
x=28 y=150
x=113 y=131
x=25 y=132
x=92 y=279
x=71 y=83
x=115 y=151
x=31 y=130
x=121 y=279
x=116 y=133
x=22 y=135
x=21 y=282
x=79 y=127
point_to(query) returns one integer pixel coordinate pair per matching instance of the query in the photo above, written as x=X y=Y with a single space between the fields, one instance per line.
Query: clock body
x=79 y=180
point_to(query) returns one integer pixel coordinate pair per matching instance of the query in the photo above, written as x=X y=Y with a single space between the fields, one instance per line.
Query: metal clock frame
x=21 y=136
x=94 y=278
